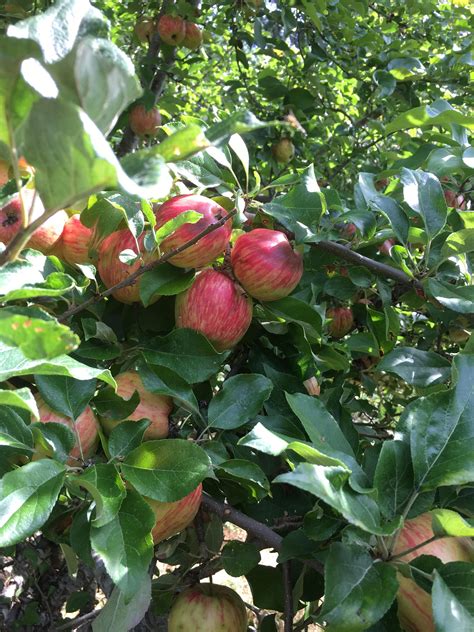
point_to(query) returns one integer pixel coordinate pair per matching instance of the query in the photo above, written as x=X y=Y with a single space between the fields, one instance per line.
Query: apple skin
x=215 y=307
x=154 y=407
x=171 y=29
x=112 y=270
x=145 y=122
x=312 y=386
x=193 y=36
x=144 y=30
x=174 y=517
x=342 y=321
x=73 y=246
x=207 y=248
x=283 y=151
x=86 y=425
x=414 y=604
x=208 y=608
x=454 y=200
x=4 y=172
x=266 y=265
x=385 y=248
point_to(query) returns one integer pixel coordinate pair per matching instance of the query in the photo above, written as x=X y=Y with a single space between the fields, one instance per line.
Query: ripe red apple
x=112 y=270
x=172 y=518
x=266 y=265
x=86 y=427
x=171 y=29
x=414 y=604
x=341 y=321
x=215 y=306
x=144 y=30
x=145 y=122
x=385 y=248
x=207 y=248
x=284 y=150
x=73 y=245
x=208 y=608
x=348 y=231
x=454 y=200
x=154 y=407
x=193 y=36
x=45 y=236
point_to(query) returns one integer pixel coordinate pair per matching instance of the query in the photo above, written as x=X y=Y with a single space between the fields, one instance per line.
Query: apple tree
x=237 y=299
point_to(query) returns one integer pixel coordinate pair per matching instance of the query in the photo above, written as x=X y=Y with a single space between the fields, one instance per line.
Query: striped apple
x=208 y=608
x=113 y=271
x=86 y=427
x=154 y=407
x=216 y=307
x=341 y=319
x=414 y=604
x=73 y=245
x=172 y=518
x=266 y=265
x=207 y=248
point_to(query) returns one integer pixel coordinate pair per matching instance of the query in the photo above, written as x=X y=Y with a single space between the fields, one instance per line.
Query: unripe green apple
x=193 y=36
x=284 y=150
x=144 y=30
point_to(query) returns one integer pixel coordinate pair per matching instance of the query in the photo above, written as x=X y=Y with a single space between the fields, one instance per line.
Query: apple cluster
x=173 y=30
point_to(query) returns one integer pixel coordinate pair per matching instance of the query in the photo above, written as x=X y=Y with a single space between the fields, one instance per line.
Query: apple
x=414 y=604
x=144 y=30
x=73 y=246
x=312 y=386
x=386 y=247
x=348 y=231
x=174 y=517
x=86 y=427
x=283 y=150
x=265 y=264
x=145 y=122
x=45 y=236
x=154 y=407
x=454 y=200
x=341 y=321
x=4 y=172
x=207 y=248
x=208 y=608
x=113 y=271
x=193 y=36
x=171 y=29
x=215 y=306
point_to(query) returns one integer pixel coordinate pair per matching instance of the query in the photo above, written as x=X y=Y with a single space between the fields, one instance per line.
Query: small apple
x=171 y=29
x=193 y=36
x=216 y=307
x=341 y=321
x=174 y=517
x=113 y=271
x=4 y=172
x=386 y=247
x=145 y=122
x=283 y=150
x=454 y=199
x=144 y=30
x=265 y=264
x=208 y=608
x=154 y=407
x=74 y=243
x=312 y=386
x=207 y=248
x=348 y=231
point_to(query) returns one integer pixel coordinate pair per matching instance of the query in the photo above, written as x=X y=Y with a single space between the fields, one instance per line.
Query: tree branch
x=287 y=597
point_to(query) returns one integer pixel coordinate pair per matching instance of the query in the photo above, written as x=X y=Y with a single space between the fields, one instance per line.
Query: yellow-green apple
x=265 y=264
x=145 y=122
x=341 y=321
x=172 y=518
x=154 y=407
x=73 y=246
x=193 y=36
x=284 y=150
x=86 y=428
x=144 y=30
x=215 y=306
x=414 y=604
x=171 y=29
x=207 y=248
x=208 y=608
x=113 y=271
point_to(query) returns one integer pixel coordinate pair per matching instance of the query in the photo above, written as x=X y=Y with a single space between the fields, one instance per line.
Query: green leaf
x=53 y=439
x=294 y=310
x=187 y=352
x=358 y=591
x=164 y=280
x=247 y=474
x=240 y=399
x=167 y=469
x=106 y=487
x=423 y=193
x=122 y=615
x=458 y=243
x=452 y=597
x=393 y=478
x=14 y=433
x=183 y=144
x=417 y=367
x=449 y=523
x=109 y=405
x=238 y=558
x=20 y=398
x=239 y=123
x=25 y=271
x=439 y=113
x=164 y=381
x=54 y=286
x=125 y=544
x=126 y=437
x=27 y=497
x=238 y=146
x=458 y=299
x=64 y=394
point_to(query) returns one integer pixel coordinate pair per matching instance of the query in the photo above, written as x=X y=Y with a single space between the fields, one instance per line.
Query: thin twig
x=287 y=598
x=415 y=548
x=75 y=623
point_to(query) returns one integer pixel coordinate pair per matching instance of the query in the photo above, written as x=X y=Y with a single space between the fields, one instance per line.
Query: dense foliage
x=320 y=398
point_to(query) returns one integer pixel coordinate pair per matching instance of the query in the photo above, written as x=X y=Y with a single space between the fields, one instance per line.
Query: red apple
x=172 y=518
x=266 y=265
x=348 y=231
x=171 y=29
x=454 y=200
x=284 y=150
x=341 y=321
x=414 y=604
x=216 y=307
x=154 y=407
x=86 y=427
x=112 y=270
x=193 y=36
x=145 y=122
x=4 y=172
x=144 y=30
x=385 y=248
x=208 y=608
x=207 y=248
x=73 y=246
